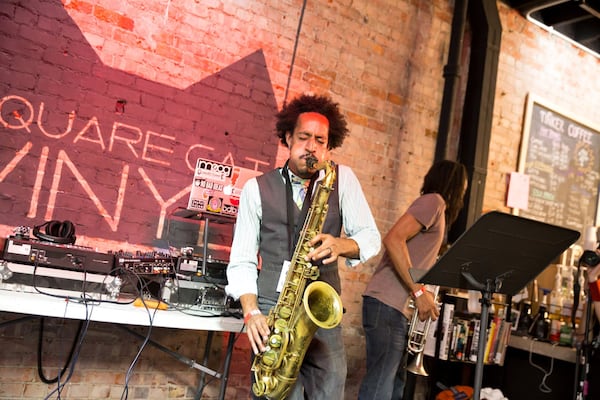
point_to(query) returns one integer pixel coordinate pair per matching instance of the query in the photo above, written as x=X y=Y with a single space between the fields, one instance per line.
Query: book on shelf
x=447 y=317
x=474 y=350
x=430 y=341
x=460 y=333
x=456 y=334
x=470 y=334
x=503 y=339
x=490 y=346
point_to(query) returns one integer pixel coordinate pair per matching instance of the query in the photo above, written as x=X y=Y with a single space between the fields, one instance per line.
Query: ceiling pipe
x=529 y=10
x=477 y=114
x=452 y=79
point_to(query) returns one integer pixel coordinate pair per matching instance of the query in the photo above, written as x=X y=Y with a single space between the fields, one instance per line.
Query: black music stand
x=500 y=253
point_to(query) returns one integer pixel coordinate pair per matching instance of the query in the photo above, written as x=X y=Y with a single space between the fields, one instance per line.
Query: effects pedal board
x=211 y=271
x=146 y=264
x=199 y=297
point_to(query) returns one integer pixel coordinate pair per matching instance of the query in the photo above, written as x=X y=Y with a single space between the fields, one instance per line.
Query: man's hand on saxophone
x=257 y=328
x=329 y=248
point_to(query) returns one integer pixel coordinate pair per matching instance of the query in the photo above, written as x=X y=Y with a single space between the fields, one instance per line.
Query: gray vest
x=274 y=245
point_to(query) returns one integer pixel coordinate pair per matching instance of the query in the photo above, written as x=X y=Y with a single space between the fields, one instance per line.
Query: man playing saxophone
x=414 y=241
x=270 y=219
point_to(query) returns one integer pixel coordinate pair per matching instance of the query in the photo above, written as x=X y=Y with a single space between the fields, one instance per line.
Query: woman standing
x=413 y=242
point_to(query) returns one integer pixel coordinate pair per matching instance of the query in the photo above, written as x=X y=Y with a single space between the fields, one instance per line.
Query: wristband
x=251 y=314
x=418 y=293
x=594 y=290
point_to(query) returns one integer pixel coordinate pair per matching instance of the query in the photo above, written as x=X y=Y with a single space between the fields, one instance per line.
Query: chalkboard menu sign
x=561 y=156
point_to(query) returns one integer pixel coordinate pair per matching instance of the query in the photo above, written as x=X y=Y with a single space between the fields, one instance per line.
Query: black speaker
x=60 y=232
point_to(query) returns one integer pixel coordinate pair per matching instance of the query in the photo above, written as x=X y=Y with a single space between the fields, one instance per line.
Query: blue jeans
x=323 y=372
x=385 y=331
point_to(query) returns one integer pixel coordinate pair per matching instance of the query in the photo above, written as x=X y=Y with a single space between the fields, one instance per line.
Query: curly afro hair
x=288 y=116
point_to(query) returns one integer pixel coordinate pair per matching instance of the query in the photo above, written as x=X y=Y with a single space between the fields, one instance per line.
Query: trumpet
x=417 y=335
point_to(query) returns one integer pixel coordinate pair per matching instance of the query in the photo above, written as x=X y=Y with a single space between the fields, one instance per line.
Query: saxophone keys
x=275 y=341
x=269 y=357
x=284 y=313
x=280 y=326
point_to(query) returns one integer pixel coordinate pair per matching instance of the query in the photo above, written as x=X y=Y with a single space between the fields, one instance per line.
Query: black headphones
x=56 y=232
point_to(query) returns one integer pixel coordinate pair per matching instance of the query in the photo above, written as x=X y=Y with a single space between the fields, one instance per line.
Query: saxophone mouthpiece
x=311 y=161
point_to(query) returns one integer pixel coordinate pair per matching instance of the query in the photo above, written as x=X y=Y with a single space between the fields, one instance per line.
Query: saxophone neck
x=328 y=166
x=329 y=174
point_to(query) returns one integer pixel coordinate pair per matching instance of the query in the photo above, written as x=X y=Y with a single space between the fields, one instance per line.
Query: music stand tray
x=499 y=253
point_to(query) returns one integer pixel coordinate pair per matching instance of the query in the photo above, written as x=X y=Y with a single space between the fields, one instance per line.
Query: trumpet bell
x=417 y=335
x=416 y=365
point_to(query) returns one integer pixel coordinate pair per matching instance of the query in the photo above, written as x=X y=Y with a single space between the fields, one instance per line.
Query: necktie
x=299 y=189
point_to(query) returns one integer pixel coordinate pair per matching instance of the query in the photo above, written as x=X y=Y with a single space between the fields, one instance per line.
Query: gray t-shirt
x=423 y=248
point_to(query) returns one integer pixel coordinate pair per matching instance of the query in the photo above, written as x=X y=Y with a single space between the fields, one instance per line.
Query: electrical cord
x=543 y=387
x=151 y=315
x=82 y=336
x=172 y=307
x=297 y=39
x=75 y=347
x=85 y=299
x=40 y=350
x=143 y=289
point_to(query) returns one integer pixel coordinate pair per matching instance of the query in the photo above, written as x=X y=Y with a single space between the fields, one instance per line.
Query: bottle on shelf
x=581 y=280
x=556 y=296
x=555 y=307
x=540 y=328
x=567 y=294
x=525 y=318
x=566 y=334
x=535 y=297
x=554 y=333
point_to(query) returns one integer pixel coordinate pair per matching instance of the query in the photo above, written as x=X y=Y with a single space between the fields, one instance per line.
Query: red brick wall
x=203 y=78
x=532 y=61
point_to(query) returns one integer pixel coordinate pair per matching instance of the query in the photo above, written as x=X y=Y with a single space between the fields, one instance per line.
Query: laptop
x=216 y=187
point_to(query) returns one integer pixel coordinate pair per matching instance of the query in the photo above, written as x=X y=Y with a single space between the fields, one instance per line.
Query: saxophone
x=303 y=306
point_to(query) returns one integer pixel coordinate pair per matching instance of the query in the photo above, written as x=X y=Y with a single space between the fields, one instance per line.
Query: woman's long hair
x=448 y=179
